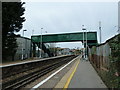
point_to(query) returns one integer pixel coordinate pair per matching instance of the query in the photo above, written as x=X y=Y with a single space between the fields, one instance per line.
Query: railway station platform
x=82 y=75
x=86 y=77
x=78 y=74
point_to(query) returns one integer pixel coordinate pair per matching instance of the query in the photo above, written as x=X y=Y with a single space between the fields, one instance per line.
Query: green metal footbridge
x=65 y=37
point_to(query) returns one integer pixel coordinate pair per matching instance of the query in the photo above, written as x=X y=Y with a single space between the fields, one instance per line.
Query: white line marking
x=45 y=80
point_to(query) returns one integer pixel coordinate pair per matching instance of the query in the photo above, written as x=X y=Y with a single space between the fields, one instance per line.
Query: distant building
x=24 y=43
x=66 y=51
x=63 y=51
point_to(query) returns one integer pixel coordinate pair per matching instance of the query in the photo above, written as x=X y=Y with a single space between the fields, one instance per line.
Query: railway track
x=30 y=77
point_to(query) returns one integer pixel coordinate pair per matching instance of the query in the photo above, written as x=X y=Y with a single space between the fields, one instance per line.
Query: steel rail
x=17 y=84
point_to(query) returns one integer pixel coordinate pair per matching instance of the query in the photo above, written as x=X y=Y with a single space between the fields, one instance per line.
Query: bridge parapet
x=66 y=37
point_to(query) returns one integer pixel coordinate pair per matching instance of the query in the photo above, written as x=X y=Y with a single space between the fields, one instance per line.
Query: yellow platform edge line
x=69 y=79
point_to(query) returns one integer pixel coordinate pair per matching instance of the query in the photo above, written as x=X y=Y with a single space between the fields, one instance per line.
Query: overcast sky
x=66 y=17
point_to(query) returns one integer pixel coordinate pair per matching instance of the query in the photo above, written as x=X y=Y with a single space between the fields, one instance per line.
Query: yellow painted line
x=69 y=79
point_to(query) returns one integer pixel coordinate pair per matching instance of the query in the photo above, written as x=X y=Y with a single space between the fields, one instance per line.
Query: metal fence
x=106 y=60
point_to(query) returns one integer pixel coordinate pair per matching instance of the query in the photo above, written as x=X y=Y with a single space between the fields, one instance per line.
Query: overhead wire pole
x=100 y=31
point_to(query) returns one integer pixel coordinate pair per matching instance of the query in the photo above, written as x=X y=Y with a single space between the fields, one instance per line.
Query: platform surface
x=86 y=77
x=78 y=74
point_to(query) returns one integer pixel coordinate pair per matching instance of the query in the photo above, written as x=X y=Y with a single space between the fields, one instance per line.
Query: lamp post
x=23 y=32
x=83 y=28
x=41 y=44
x=86 y=44
x=32 y=32
x=22 y=43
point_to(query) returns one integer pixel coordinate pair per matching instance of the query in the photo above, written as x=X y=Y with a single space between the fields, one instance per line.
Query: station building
x=25 y=44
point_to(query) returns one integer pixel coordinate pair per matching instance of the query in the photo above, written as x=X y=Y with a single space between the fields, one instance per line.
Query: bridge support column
x=34 y=50
x=39 y=52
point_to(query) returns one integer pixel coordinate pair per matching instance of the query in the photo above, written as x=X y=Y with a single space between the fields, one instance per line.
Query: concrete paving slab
x=86 y=77
x=52 y=82
x=63 y=81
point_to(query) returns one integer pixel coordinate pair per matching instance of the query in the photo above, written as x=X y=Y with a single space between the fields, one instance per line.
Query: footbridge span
x=64 y=37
